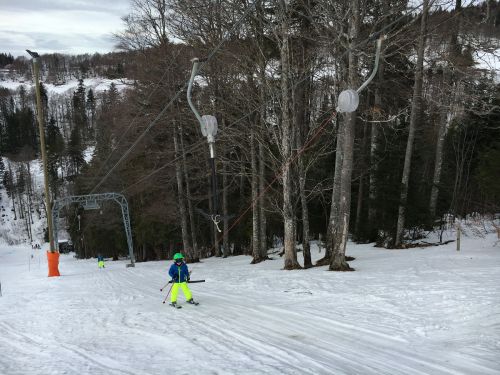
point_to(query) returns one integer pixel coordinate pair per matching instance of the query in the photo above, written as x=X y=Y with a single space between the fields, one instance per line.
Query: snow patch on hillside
x=489 y=62
x=97 y=85
x=13 y=228
x=88 y=153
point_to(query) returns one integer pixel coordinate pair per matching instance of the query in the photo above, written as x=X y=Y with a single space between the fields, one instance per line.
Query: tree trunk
x=290 y=257
x=301 y=130
x=25 y=216
x=225 y=213
x=359 y=207
x=377 y=111
x=13 y=193
x=192 y=224
x=443 y=123
x=415 y=110
x=262 y=202
x=30 y=198
x=182 y=204
x=302 y=124
x=255 y=194
x=446 y=109
x=334 y=207
x=359 y=204
x=306 y=246
x=489 y=19
x=260 y=40
x=337 y=262
x=372 y=188
x=215 y=232
x=22 y=214
x=262 y=167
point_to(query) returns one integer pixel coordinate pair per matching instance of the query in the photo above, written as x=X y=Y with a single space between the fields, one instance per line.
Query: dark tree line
x=6 y=59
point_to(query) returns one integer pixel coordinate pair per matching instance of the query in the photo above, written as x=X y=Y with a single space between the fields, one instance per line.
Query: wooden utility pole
x=52 y=259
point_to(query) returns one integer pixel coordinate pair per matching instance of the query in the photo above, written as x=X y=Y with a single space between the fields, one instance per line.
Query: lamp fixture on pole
x=348 y=100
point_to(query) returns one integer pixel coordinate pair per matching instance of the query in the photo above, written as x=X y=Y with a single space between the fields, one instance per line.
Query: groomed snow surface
x=426 y=310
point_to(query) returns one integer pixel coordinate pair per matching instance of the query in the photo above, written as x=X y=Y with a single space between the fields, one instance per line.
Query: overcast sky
x=64 y=26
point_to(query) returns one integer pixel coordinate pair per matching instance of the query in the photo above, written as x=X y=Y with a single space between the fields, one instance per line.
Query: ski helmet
x=178 y=256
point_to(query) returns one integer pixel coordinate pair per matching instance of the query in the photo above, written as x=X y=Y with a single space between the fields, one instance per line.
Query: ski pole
x=168 y=293
x=189 y=282
x=164 y=286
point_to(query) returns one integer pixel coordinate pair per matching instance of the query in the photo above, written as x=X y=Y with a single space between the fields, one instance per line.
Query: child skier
x=180 y=277
x=100 y=261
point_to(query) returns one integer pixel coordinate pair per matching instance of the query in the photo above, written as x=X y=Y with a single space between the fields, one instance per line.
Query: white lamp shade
x=348 y=101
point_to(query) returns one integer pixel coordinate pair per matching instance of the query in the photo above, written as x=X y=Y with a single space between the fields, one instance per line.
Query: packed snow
x=431 y=310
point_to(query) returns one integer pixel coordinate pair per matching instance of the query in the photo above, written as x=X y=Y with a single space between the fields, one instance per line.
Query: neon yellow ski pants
x=175 y=291
x=100 y=264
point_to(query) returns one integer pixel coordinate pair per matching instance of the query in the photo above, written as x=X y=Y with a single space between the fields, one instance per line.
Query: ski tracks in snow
x=400 y=313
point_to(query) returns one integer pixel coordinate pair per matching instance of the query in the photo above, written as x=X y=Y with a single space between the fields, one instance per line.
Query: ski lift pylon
x=209 y=127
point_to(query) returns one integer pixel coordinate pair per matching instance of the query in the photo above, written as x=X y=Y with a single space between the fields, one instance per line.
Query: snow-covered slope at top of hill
x=13 y=227
x=98 y=84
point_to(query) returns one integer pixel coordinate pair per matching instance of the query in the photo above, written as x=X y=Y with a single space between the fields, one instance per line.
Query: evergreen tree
x=45 y=101
x=91 y=108
x=6 y=59
x=79 y=108
x=23 y=96
x=112 y=95
x=20 y=130
x=55 y=150
x=75 y=151
x=8 y=182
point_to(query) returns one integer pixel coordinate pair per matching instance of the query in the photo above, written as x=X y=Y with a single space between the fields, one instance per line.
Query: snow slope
x=420 y=311
x=97 y=84
x=14 y=231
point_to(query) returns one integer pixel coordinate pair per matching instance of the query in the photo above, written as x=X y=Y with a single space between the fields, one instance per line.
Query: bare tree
x=415 y=111
x=192 y=224
x=146 y=26
x=340 y=235
x=181 y=200
x=290 y=257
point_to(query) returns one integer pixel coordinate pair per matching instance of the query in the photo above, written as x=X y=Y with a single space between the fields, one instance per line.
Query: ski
x=176 y=306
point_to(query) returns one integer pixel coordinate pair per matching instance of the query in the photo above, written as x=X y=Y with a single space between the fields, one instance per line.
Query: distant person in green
x=100 y=261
